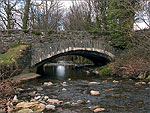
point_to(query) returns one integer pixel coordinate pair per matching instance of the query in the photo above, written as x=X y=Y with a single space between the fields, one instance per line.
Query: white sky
x=66 y=3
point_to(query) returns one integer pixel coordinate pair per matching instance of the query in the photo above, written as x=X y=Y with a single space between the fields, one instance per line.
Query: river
x=73 y=86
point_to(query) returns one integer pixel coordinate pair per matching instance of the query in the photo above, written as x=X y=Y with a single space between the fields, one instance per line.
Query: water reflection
x=60 y=71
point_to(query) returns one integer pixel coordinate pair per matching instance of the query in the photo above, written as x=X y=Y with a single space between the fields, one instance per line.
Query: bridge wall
x=91 y=49
x=9 y=38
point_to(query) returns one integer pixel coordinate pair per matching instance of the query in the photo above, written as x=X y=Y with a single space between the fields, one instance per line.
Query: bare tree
x=46 y=15
x=7 y=19
x=78 y=17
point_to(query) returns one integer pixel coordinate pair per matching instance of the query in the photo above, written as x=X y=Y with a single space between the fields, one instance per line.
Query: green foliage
x=11 y=55
x=36 y=32
x=120 y=21
x=105 y=71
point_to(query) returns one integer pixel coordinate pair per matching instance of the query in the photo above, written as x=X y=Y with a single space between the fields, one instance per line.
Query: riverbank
x=15 y=60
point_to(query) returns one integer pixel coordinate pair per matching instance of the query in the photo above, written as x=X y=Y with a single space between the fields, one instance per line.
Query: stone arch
x=97 y=51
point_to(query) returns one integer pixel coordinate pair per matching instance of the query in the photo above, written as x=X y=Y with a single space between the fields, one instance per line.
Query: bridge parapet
x=9 y=38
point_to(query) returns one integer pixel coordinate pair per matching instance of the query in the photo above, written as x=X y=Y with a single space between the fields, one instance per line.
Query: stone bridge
x=95 y=50
x=46 y=46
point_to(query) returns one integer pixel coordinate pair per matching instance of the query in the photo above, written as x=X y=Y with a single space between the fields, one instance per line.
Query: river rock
x=35 y=106
x=26 y=104
x=54 y=101
x=99 y=110
x=39 y=89
x=115 y=81
x=64 y=84
x=79 y=101
x=32 y=93
x=27 y=110
x=111 y=89
x=20 y=89
x=46 y=97
x=140 y=83
x=92 y=92
x=48 y=83
x=149 y=83
x=69 y=79
x=87 y=72
x=88 y=101
x=15 y=99
x=39 y=108
x=96 y=72
x=50 y=107
x=90 y=83
x=64 y=89
x=37 y=98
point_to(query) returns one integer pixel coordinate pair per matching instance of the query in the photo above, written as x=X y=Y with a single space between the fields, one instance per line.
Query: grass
x=12 y=54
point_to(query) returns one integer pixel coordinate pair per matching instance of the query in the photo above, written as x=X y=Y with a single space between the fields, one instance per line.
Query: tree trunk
x=26 y=14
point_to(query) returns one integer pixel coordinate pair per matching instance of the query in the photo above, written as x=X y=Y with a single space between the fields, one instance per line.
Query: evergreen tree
x=120 y=20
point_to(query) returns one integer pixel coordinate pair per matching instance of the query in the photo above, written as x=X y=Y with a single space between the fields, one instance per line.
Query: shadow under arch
x=98 y=58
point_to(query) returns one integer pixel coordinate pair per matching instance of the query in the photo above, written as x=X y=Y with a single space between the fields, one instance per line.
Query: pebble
x=140 y=83
x=79 y=101
x=88 y=101
x=69 y=79
x=37 y=98
x=149 y=83
x=143 y=83
x=50 y=107
x=93 y=107
x=67 y=103
x=46 y=97
x=54 y=101
x=15 y=99
x=99 y=110
x=92 y=92
x=39 y=89
x=111 y=89
x=87 y=72
x=20 y=89
x=48 y=83
x=96 y=72
x=115 y=81
x=64 y=89
x=94 y=83
x=64 y=84
x=32 y=100
x=105 y=81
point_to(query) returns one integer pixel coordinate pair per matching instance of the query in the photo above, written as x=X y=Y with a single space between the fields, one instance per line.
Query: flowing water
x=116 y=95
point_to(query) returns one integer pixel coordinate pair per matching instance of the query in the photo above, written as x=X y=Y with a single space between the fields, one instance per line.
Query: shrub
x=105 y=71
x=132 y=64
